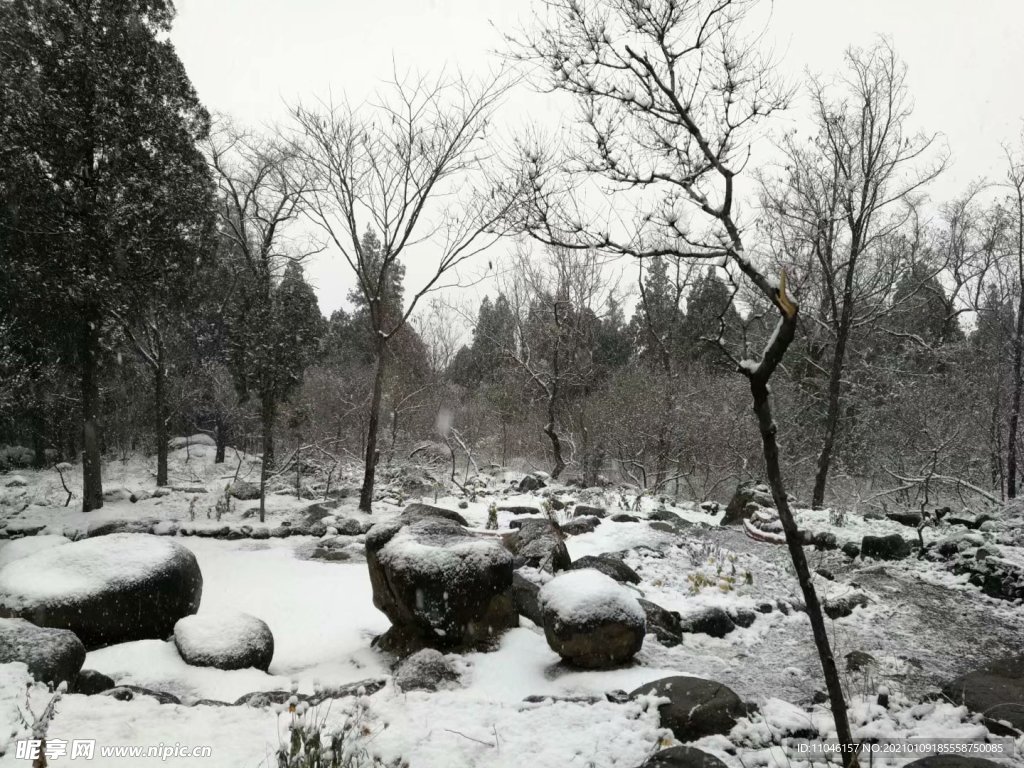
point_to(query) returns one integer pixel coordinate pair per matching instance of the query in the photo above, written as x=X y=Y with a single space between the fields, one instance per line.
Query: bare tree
x=409 y=166
x=668 y=93
x=1015 y=180
x=261 y=188
x=840 y=197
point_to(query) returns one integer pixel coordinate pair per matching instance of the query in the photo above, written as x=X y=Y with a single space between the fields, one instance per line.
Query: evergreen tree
x=99 y=133
x=708 y=305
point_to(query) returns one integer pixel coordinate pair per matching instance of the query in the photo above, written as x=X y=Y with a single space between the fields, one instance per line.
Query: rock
x=590 y=620
x=859 y=660
x=91 y=682
x=585 y=510
x=820 y=540
x=15 y=481
x=609 y=566
x=579 y=525
x=994 y=690
x=664 y=516
x=712 y=621
x=530 y=483
x=659 y=525
x=747 y=493
x=440 y=585
x=418 y=511
x=332 y=549
x=683 y=757
x=176 y=443
x=851 y=550
x=538 y=544
x=20 y=548
x=117 y=494
x=260 y=533
x=665 y=624
x=953 y=761
x=891 y=547
x=696 y=707
x=622 y=517
x=106 y=590
x=51 y=655
x=908 y=518
x=744 y=618
x=17 y=528
x=243 y=490
x=224 y=641
x=132 y=692
x=425 y=670
x=108 y=527
x=842 y=605
x=525 y=598
x=519 y=510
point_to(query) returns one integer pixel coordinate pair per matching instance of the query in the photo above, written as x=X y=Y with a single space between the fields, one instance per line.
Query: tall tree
x=102 y=122
x=840 y=195
x=408 y=168
x=668 y=92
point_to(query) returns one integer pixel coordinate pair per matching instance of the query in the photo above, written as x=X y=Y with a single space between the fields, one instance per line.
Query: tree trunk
x=556 y=443
x=268 y=410
x=222 y=437
x=160 y=396
x=767 y=427
x=92 y=470
x=370 y=457
x=835 y=390
x=38 y=436
x=1015 y=400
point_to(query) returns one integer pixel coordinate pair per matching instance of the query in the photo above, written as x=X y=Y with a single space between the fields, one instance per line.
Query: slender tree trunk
x=552 y=433
x=38 y=436
x=160 y=415
x=268 y=410
x=835 y=391
x=767 y=427
x=222 y=437
x=1015 y=400
x=370 y=467
x=92 y=471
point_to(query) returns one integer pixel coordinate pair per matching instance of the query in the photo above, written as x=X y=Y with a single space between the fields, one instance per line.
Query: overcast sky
x=249 y=58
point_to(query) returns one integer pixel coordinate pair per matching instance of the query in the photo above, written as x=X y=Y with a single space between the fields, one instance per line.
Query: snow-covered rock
x=696 y=707
x=19 y=548
x=106 y=590
x=243 y=490
x=609 y=566
x=15 y=481
x=224 y=641
x=176 y=443
x=891 y=547
x=994 y=690
x=52 y=655
x=440 y=585
x=683 y=757
x=426 y=670
x=538 y=544
x=590 y=620
x=418 y=511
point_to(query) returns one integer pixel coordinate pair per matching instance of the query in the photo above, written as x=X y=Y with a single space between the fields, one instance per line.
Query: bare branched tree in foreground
x=408 y=168
x=668 y=92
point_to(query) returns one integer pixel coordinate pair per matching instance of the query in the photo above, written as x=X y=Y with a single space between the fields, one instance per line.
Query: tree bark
x=1015 y=400
x=268 y=410
x=835 y=391
x=92 y=471
x=370 y=457
x=160 y=425
x=222 y=437
x=767 y=427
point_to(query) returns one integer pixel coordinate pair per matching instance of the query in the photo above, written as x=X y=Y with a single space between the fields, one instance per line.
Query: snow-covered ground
x=922 y=625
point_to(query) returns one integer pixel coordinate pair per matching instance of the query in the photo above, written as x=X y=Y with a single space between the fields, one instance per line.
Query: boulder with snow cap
x=683 y=757
x=224 y=641
x=51 y=655
x=609 y=566
x=440 y=585
x=749 y=496
x=418 y=511
x=106 y=590
x=590 y=620
x=696 y=707
x=539 y=544
x=243 y=490
x=425 y=670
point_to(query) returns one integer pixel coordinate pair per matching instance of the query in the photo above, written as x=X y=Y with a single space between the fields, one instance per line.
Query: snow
x=448 y=551
x=221 y=635
x=19 y=548
x=576 y=596
x=83 y=568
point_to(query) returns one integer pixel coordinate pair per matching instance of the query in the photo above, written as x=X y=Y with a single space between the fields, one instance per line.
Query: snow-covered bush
x=307 y=741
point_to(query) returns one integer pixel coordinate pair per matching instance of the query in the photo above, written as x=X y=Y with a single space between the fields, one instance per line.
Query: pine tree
x=102 y=123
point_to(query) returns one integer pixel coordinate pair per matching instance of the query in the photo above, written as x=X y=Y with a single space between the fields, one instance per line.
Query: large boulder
x=609 y=566
x=19 y=548
x=590 y=620
x=695 y=707
x=539 y=544
x=441 y=586
x=748 y=497
x=224 y=641
x=683 y=757
x=418 y=511
x=665 y=624
x=425 y=670
x=243 y=490
x=526 y=598
x=891 y=547
x=996 y=690
x=51 y=655
x=106 y=590
x=712 y=620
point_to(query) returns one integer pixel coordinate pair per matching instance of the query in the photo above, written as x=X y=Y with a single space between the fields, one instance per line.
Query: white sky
x=249 y=58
